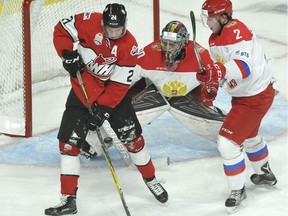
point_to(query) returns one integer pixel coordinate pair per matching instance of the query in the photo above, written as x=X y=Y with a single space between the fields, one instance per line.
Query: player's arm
x=239 y=67
x=240 y=49
x=121 y=77
x=66 y=33
x=117 y=87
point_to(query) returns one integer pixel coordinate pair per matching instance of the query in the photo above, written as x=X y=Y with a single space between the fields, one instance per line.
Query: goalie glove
x=72 y=62
x=99 y=114
x=213 y=73
x=209 y=91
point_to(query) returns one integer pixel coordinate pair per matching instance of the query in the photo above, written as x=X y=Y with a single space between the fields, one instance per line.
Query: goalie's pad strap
x=149 y=98
x=189 y=104
x=149 y=104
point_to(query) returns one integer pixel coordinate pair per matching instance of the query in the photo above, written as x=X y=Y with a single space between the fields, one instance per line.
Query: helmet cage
x=173 y=39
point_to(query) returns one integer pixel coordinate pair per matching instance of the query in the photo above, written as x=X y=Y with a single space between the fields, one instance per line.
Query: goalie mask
x=173 y=39
x=114 y=21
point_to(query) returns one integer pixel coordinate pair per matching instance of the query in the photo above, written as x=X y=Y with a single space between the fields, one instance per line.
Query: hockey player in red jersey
x=244 y=73
x=170 y=63
x=105 y=56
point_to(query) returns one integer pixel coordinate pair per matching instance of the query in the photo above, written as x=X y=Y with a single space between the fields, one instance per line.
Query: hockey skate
x=87 y=151
x=67 y=206
x=156 y=189
x=267 y=178
x=235 y=199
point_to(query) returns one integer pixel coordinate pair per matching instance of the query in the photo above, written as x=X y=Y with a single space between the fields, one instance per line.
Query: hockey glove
x=209 y=92
x=213 y=73
x=72 y=62
x=98 y=116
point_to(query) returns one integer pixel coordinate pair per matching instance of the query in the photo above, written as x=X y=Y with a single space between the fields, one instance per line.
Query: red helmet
x=217 y=7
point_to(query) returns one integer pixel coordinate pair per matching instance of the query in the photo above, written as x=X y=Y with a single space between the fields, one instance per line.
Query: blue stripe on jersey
x=244 y=68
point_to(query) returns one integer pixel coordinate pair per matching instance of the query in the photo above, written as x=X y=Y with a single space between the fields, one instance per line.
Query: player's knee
x=138 y=152
x=256 y=148
x=68 y=149
x=227 y=148
x=253 y=142
x=136 y=145
x=128 y=133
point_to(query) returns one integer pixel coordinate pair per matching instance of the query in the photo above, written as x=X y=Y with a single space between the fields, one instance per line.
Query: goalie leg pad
x=204 y=127
x=149 y=104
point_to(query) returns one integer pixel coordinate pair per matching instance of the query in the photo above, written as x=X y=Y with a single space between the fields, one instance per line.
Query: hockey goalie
x=170 y=64
x=164 y=79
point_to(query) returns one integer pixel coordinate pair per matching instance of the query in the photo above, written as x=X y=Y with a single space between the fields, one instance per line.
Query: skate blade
x=232 y=210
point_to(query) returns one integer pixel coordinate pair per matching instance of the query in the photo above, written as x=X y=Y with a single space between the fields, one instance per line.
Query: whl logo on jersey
x=102 y=67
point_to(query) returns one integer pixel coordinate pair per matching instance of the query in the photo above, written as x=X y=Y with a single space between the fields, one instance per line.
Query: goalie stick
x=103 y=142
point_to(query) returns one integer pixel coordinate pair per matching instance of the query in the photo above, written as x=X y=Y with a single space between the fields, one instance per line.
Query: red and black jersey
x=109 y=64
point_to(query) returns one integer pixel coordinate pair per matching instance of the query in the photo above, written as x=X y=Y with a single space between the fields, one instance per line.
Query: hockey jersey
x=170 y=82
x=248 y=72
x=109 y=64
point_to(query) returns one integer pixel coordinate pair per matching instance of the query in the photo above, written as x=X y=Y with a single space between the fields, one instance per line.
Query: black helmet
x=114 y=16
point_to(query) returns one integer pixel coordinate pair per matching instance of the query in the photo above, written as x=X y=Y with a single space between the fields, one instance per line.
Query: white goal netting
x=47 y=71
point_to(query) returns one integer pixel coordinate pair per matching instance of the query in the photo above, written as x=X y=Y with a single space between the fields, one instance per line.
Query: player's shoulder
x=234 y=32
x=89 y=16
x=128 y=38
x=153 y=47
x=190 y=47
x=150 y=56
x=127 y=43
x=235 y=24
x=238 y=30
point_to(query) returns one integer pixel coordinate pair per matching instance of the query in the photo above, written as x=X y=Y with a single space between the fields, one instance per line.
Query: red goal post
x=29 y=63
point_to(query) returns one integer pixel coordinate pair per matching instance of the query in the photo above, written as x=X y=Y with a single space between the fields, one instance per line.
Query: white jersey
x=247 y=70
x=170 y=82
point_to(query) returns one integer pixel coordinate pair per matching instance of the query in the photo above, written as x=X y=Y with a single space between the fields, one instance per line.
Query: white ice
x=29 y=169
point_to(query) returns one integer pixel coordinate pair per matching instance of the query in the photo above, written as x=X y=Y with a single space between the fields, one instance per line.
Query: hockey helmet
x=217 y=7
x=173 y=38
x=114 y=20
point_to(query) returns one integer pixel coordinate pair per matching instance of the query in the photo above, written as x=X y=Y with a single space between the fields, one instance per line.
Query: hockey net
x=20 y=80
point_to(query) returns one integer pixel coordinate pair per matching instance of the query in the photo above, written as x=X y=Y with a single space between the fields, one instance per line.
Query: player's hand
x=213 y=73
x=98 y=116
x=209 y=91
x=72 y=62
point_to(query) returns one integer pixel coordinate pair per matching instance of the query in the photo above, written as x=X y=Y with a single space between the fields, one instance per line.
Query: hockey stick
x=202 y=71
x=104 y=148
x=193 y=22
x=121 y=149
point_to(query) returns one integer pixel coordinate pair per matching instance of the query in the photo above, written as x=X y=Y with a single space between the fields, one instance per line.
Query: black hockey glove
x=72 y=62
x=99 y=115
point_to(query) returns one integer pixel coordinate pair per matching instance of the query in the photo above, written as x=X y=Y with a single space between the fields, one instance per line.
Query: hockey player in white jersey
x=244 y=73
